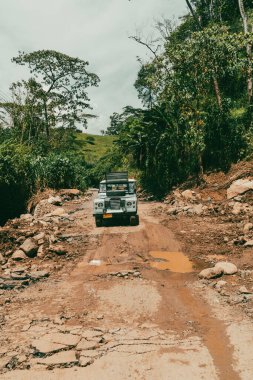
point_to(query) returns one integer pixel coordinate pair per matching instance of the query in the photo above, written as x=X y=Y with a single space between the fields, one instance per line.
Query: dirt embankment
x=214 y=223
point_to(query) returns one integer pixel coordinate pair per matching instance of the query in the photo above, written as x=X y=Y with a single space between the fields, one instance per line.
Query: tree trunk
x=193 y=13
x=46 y=120
x=249 y=50
x=217 y=92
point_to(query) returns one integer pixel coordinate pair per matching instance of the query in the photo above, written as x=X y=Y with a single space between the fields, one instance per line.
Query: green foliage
x=94 y=147
x=196 y=113
x=56 y=95
x=59 y=171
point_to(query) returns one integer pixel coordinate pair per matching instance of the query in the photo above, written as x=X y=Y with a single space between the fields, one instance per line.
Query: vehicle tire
x=132 y=220
x=99 y=222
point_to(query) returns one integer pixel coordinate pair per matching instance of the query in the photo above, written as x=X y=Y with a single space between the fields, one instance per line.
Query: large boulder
x=209 y=273
x=226 y=267
x=57 y=201
x=30 y=247
x=19 y=255
x=239 y=187
x=71 y=193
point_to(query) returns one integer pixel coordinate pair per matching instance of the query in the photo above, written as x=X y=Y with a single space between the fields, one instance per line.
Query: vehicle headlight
x=129 y=204
x=99 y=204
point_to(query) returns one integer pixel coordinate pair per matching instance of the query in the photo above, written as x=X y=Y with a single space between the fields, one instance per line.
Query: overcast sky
x=93 y=30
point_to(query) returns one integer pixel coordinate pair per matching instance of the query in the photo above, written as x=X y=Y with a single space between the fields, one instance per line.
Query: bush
x=22 y=173
x=59 y=171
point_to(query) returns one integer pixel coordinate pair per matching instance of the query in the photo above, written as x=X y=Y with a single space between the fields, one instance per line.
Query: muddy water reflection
x=174 y=261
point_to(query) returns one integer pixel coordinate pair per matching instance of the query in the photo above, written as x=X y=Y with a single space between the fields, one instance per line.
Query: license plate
x=107 y=216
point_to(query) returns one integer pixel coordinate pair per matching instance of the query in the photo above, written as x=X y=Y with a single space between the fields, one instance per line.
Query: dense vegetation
x=196 y=91
x=39 y=145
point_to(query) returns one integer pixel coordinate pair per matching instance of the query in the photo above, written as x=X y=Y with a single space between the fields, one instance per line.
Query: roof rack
x=116 y=177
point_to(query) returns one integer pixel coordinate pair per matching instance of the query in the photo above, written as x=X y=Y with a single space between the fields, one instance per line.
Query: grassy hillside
x=94 y=146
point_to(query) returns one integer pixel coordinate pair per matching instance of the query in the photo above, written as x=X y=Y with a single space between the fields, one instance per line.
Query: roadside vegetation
x=39 y=145
x=196 y=91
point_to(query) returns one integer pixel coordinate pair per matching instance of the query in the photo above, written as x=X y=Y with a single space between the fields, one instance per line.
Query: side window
x=131 y=187
x=102 y=188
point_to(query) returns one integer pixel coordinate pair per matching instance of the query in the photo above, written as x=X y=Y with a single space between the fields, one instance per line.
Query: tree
x=249 y=48
x=63 y=82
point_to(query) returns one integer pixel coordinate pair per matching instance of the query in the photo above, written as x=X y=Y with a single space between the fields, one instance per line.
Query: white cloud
x=94 y=30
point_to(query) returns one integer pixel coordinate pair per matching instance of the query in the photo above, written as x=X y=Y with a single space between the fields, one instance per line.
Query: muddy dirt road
x=131 y=307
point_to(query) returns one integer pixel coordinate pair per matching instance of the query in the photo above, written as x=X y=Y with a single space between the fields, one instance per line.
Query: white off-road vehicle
x=116 y=199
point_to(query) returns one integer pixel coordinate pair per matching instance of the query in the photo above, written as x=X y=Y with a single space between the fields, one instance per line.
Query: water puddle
x=174 y=261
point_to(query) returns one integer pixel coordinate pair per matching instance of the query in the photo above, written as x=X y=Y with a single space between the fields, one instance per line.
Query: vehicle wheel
x=99 y=222
x=134 y=220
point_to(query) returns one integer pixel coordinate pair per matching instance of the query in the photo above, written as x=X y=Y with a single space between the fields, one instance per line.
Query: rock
x=43 y=208
x=72 y=193
x=65 y=358
x=91 y=334
x=220 y=284
x=37 y=275
x=19 y=255
x=244 y=290
x=226 y=267
x=234 y=300
x=58 y=249
x=22 y=359
x=59 y=211
x=198 y=209
x=249 y=243
x=41 y=252
x=210 y=273
x=89 y=354
x=237 y=208
x=2 y=259
x=45 y=346
x=86 y=345
x=65 y=339
x=238 y=187
x=4 y=362
x=188 y=194
x=248 y=227
x=84 y=361
x=19 y=276
x=57 y=201
x=8 y=285
x=26 y=217
x=30 y=247
x=39 y=236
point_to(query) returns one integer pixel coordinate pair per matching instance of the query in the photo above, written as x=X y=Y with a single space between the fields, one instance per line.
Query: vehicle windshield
x=117 y=187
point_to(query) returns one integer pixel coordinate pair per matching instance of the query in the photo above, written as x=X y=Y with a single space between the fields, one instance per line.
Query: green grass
x=94 y=146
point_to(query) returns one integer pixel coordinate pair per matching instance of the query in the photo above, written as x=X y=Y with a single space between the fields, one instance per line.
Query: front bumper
x=115 y=214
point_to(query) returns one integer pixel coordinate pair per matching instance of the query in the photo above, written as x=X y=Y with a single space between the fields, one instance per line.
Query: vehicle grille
x=114 y=204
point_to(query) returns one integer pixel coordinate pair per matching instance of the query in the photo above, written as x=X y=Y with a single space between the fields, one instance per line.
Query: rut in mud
x=131 y=307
